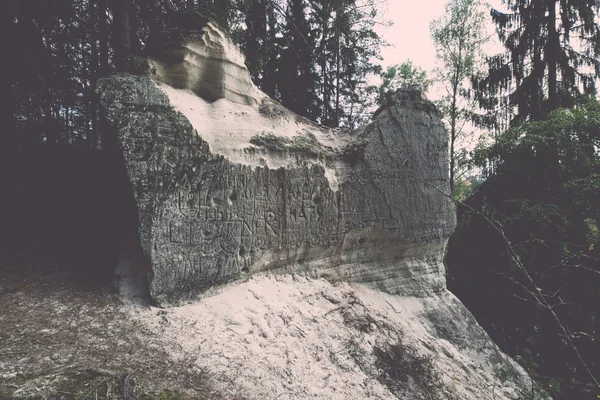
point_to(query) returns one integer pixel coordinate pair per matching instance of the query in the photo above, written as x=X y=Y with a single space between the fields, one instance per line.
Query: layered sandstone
x=225 y=183
x=229 y=183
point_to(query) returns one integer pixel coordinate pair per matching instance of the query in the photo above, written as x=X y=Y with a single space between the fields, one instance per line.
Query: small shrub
x=399 y=364
x=305 y=145
x=270 y=141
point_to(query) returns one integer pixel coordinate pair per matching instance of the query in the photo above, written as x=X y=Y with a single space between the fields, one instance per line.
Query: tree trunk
x=551 y=56
x=453 y=118
x=552 y=162
x=122 y=31
x=326 y=98
x=97 y=19
x=103 y=37
x=6 y=111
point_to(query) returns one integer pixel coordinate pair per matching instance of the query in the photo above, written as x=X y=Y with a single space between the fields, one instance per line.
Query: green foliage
x=544 y=194
x=550 y=61
x=466 y=187
x=403 y=75
x=459 y=38
x=399 y=364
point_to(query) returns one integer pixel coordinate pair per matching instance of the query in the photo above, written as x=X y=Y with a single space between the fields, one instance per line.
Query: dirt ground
x=65 y=336
x=274 y=336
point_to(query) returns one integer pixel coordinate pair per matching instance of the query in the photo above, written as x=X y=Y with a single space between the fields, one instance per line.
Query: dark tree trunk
x=6 y=110
x=552 y=56
x=134 y=28
x=93 y=73
x=103 y=37
x=453 y=134
x=122 y=34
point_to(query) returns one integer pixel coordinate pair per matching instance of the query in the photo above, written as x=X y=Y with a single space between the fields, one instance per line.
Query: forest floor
x=64 y=338
x=280 y=337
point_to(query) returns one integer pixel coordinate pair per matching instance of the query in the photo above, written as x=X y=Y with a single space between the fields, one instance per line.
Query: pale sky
x=409 y=37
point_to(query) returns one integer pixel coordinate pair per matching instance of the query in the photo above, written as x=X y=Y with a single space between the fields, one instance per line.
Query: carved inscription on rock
x=204 y=220
x=216 y=224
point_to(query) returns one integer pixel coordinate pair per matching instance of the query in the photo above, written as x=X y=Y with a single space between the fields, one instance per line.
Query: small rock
x=447 y=352
x=55 y=356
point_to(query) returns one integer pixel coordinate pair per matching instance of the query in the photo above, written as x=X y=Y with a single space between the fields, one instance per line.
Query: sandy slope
x=288 y=337
x=272 y=337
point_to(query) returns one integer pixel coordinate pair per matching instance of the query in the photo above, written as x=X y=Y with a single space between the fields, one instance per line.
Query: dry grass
x=64 y=337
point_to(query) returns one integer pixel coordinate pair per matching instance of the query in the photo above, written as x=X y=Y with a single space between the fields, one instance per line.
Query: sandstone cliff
x=228 y=183
x=228 y=186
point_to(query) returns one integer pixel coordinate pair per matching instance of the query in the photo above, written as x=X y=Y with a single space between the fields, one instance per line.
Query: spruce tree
x=298 y=79
x=542 y=68
x=345 y=51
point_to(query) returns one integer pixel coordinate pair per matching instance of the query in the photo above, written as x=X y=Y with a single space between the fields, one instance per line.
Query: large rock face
x=228 y=183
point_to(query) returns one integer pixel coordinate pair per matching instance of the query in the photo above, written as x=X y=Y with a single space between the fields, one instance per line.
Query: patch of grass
x=270 y=142
x=400 y=364
x=305 y=145
x=87 y=384
x=166 y=395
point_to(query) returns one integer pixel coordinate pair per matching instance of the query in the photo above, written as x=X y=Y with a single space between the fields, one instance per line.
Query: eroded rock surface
x=228 y=187
x=206 y=63
x=228 y=183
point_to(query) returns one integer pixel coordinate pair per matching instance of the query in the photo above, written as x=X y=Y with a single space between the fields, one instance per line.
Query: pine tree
x=298 y=79
x=542 y=68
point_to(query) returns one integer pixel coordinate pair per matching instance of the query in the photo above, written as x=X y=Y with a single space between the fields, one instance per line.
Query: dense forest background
x=313 y=56
x=525 y=258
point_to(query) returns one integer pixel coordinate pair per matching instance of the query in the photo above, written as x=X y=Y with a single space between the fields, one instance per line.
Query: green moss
x=303 y=145
x=166 y=395
x=270 y=142
x=307 y=145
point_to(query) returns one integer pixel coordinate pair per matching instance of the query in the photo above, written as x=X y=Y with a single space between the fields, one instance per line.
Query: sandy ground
x=63 y=336
x=272 y=337
x=289 y=337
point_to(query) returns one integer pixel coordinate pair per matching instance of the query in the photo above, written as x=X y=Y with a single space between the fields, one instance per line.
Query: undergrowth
x=400 y=364
x=304 y=145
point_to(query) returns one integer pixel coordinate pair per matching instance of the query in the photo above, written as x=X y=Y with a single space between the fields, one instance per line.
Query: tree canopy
x=315 y=56
x=403 y=75
x=524 y=258
x=551 y=59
